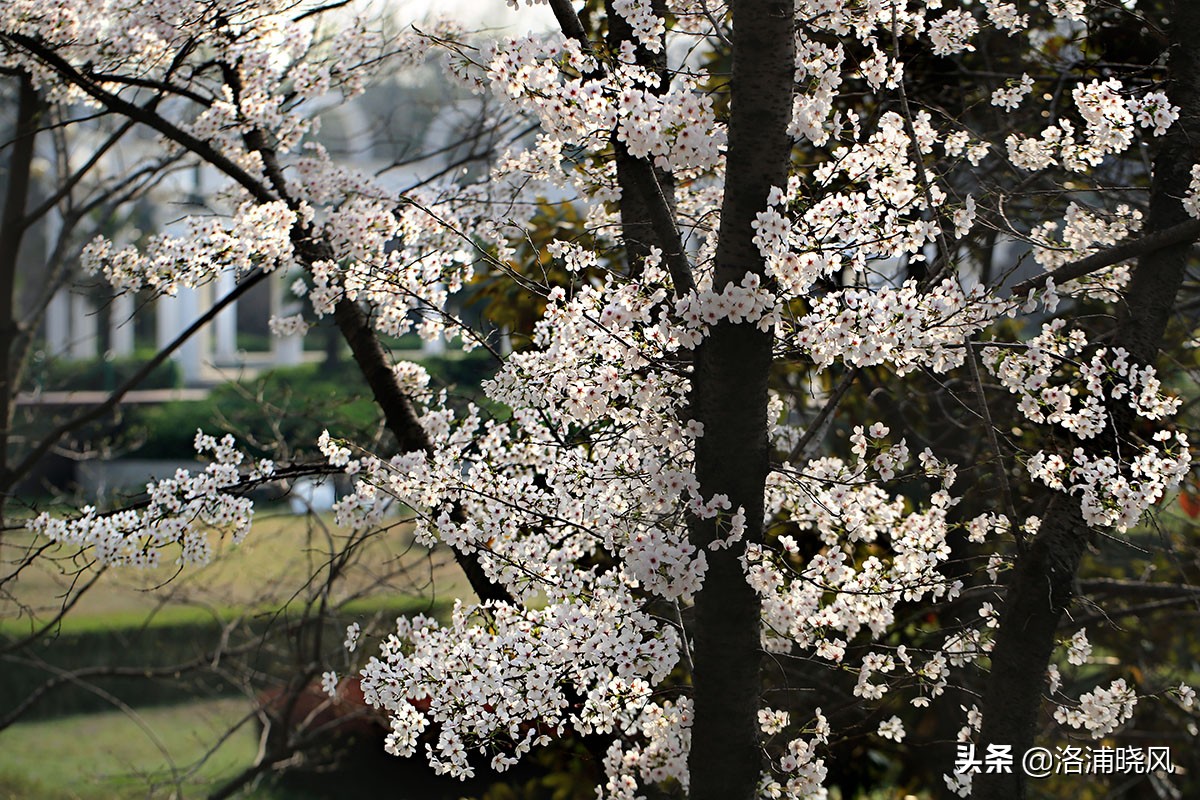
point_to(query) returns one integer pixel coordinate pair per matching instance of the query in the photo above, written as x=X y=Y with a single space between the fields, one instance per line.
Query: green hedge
x=267 y=643
x=99 y=374
x=292 y=404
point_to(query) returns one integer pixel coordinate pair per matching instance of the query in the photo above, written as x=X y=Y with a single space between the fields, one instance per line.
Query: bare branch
x=816 y=429
x=1135 y=248
x=142 y=114
x=98 y=411
x=1127 y=588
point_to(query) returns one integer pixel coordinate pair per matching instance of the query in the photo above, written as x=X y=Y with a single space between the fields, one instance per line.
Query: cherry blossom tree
x=785 y=202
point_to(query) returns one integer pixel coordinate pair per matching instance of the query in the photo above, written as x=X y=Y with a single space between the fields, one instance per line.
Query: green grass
x=190 y=616
x=260 y=591
x=272 y=568
x=153 y=753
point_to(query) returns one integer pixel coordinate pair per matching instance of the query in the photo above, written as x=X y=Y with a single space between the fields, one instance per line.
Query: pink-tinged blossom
x=576 y=502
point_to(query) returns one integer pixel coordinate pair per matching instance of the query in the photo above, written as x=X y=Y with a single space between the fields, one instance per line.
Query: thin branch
x=141 y=114
x=146 y=83
x=70 y=183
x=162 y=355
x=919 y=163
x=58 y=616
x=119 y=704
x=312 y=12
x=78 y=677
x=1128 y=588
x=989 y=427
x=491 y=130
x=816 y=428
x=1125 y=251
x=1109 y=615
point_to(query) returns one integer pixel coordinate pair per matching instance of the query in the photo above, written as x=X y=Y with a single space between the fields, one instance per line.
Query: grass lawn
x=283 y=560
x=131 y=617
x=159 y=753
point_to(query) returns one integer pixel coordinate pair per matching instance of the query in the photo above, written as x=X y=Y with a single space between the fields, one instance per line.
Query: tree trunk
x=729 y=397
x=12 y=230
x=1043 y=583
x=638 y=233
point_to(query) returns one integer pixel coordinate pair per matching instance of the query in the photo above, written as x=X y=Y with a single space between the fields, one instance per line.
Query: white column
x=225 y=325
x=58 y=324
x=174 y=315
x=166 y=321
x=285 y=350
x=83 y=328
x=434 y=348
x=120 y=325
x=190 y=354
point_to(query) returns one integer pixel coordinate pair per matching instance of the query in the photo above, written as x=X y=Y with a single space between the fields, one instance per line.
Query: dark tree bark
x=1043 y=583
x=12 y=231
x=639 y=192
x=729 y=398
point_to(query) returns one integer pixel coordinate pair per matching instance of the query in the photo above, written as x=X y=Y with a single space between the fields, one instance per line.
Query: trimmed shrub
x=100 y=374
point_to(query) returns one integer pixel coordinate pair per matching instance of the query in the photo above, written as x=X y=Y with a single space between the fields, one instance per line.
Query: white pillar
x=285 y=350
x=175 y=314
x=83 y=328
x=190 y=354
x=120 y=325
x=58 y=324
x=166 y=321
x=225 y=325
x=434 y=348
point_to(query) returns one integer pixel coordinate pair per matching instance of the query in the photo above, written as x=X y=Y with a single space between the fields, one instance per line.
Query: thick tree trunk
x=638 y=233
x=12 y=230
x=1044 y=578
x=729 y=398
x=1041 y=589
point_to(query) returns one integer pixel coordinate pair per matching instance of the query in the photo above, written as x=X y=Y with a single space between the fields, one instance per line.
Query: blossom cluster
x=675 y=125
x=1009 y=97
x=905 y=327
x=1081 y=232
x=1056 y=386
x=1110 y=120
x=182 y=512
x=1100 y=711
x=499 y=678
x=1191 y=201
x=871 y=218
x=260 y=237
x=533 y=507
x=824 y=603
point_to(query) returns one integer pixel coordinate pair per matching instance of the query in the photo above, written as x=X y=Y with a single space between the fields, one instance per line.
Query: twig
x=1176 y=234
x=1001 y=473
x=811 y=435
